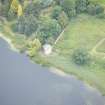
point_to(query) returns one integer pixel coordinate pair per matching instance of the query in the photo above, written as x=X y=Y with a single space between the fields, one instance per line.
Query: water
x=25 y=83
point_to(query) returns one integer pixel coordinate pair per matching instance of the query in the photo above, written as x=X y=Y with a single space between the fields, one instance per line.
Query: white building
x=47 y=49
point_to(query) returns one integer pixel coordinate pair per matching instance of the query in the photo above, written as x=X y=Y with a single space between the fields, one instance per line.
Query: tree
x=99 y=9
x=56 y=12
x=33 y=47
x=33 y=9
x=14 y=5
x=15 y=10
x=69 y=8
x=63 y=20
x=26 y=25
x=95 y=9
x=11 y=15
x=31 y=25
x=81 y=57
x=49 y=28
x=46 y=3
x=4 y=7
x=81 y=6
x=20 y=10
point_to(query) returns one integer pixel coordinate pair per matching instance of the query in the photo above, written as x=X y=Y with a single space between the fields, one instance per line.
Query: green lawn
x=102 y=2
x=85 y=31
x=101 y=48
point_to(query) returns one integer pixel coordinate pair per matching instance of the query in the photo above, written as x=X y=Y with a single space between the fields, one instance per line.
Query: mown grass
x=101 y=48
x=102 y=2
x=85 y=31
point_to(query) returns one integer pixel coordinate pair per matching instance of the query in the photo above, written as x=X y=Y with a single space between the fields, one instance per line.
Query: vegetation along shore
x=74 y=28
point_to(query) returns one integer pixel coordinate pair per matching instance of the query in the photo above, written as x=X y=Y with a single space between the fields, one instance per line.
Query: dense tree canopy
x=26 y=25
x=56 y=12
x=46 y=18
x=49 y=28
x=81 y=5
x=69 y=7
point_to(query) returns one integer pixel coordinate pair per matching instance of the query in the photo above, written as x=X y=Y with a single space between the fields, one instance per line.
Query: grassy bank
x=17 y=41
x=85 y=31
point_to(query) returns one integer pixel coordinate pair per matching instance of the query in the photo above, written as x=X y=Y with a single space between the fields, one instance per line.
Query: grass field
x=85 y=31
x=102 y=2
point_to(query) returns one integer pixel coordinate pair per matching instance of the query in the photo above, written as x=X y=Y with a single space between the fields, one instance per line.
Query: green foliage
x=33 y=8
x=19 y=42
x=81 y=5
x=46 y=3
x=33 y=46
x=63 y=20
x=91 y=9
x=26 y=25
x=99 y=9
x=81 y=57
x=4 y=7
x=11 y=15
x=69 y=8
x=14 y=5
x=49 y=28
x=56 y=12
x=101 y=16
x=95 y=9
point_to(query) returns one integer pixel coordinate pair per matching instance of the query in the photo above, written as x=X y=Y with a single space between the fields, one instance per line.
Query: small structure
x=47 y=49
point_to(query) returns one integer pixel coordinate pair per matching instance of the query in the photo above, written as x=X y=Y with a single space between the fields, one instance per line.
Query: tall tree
x=81 y=5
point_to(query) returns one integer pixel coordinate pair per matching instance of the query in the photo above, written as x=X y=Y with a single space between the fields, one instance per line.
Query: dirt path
x=94 y=50
x=60 y=35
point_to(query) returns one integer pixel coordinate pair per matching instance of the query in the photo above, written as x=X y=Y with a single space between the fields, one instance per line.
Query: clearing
x=85 y=31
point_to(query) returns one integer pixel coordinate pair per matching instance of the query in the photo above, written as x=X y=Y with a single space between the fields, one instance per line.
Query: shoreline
x=9 y=42
x=65 y=75
x=53 y=70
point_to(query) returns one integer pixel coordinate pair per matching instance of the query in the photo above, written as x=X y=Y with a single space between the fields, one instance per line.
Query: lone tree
x=81 y=57
x=81 y=5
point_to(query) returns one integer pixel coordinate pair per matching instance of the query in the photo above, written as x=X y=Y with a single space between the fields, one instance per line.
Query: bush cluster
x=81 y=57
x=73 y=8
x=26 y=25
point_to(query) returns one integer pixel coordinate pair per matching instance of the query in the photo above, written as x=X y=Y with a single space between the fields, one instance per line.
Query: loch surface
x=25 y=83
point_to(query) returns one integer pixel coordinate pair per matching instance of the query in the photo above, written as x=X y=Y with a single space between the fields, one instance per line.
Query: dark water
x=24 y=83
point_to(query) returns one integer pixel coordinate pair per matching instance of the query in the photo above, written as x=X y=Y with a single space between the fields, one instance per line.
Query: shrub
x=69 y=8
x=99 y=9
x=91 y=9
x=81 y=57
x=33 y=8
x=56 y=12
x=32 y=47
x=46 y=3
x=63 y=20
x=26 y=25
x=95 y=9
x=4 y=8
x=11 y=15
x=49 y=28
x=81 y=6
x=101 y=16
